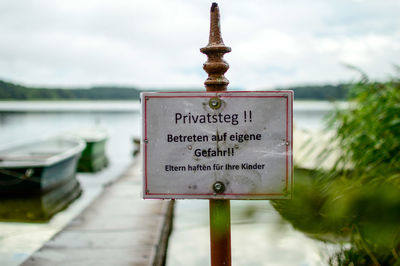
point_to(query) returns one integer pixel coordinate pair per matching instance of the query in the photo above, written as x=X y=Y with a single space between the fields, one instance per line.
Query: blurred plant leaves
x=359 y=198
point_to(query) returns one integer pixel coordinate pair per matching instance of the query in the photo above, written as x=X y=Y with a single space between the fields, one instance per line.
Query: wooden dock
x=119 y=228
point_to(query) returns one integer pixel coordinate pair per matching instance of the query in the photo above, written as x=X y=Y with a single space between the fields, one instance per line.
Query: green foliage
x=368 y=132
x=369 y=136
x=324 y=92
x=360 y=197
x=10 y=91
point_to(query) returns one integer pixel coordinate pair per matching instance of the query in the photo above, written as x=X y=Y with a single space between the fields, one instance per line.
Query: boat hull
x=37 y=179
x=40 y=207
x=93 y=157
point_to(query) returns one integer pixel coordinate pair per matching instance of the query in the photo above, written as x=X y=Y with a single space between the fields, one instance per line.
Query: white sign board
x=217 y=145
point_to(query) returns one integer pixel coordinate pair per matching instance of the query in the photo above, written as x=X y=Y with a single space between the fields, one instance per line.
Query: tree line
x=11 y=91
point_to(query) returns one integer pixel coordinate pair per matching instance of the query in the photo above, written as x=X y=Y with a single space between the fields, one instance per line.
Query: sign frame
x=285 y=95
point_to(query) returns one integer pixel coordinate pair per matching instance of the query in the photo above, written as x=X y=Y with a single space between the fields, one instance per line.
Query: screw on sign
x=219 y=187
x=215 y=103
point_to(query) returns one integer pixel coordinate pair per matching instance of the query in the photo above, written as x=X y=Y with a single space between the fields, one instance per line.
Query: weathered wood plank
x=119 y=228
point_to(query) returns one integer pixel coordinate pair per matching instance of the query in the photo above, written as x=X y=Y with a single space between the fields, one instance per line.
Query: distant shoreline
x=14 y=92
x=62 y=106
x=69 y=106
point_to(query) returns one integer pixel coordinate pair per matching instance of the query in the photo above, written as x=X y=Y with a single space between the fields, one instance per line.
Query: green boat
x=94 y=156
x=38 y=167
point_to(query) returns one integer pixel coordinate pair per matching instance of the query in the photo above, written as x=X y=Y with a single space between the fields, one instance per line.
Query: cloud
x=156 y=43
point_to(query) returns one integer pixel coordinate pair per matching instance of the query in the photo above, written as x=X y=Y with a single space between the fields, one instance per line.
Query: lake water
x=24 y=121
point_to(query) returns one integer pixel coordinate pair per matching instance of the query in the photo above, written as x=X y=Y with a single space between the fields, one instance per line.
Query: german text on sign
x=217 y=145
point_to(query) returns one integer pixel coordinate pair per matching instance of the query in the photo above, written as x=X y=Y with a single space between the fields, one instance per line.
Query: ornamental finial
x=215 y=50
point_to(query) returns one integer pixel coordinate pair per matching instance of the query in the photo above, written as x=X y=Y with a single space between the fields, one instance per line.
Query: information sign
x=217 y=145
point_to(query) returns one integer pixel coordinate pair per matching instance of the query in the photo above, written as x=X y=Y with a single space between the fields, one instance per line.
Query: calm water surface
x=251 y=237
x=25 y=121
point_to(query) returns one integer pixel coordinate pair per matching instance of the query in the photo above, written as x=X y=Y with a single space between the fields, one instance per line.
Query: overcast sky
x=156 y=43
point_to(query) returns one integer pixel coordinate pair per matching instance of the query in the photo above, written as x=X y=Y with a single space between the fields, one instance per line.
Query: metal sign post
x=220 y=210
x=217 y=145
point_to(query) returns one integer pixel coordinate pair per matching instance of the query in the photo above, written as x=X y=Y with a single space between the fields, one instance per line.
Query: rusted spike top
x=215 y=50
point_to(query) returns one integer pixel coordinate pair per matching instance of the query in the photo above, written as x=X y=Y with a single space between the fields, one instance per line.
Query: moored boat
x=38 y=167
x=94 y=156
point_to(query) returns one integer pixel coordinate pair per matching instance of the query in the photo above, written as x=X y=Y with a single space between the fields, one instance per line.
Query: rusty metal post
x=220 y=232
x=215 y=50
x=220 y=213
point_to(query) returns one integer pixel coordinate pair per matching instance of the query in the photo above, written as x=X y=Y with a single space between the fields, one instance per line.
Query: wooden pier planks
x=119 y=228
